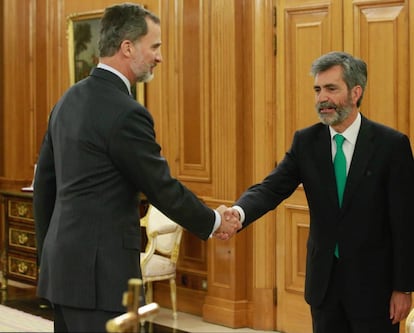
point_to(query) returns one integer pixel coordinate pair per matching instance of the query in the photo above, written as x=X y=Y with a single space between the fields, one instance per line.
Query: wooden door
x=307 y=29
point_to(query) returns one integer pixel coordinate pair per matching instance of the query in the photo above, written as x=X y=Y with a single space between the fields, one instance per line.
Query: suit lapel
x=364 y=149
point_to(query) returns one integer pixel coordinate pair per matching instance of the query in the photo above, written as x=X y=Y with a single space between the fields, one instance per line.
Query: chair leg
x=147 y=288
x=148 y=293
x=173 y=291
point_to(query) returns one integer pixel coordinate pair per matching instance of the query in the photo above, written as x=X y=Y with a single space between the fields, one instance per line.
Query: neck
x=120 y=66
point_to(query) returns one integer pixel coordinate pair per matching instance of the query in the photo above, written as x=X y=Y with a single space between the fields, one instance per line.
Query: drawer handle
x=22 y=267
x=22 y=210
x=22 y=238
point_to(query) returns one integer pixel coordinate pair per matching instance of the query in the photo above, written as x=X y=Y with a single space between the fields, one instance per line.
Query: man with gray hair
x=98 y=155
x=358 y=177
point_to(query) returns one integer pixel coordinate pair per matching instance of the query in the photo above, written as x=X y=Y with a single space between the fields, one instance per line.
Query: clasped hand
x=230 y=223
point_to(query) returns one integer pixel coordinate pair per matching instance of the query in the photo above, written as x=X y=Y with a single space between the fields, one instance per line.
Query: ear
x=356 y=93
x=126 y=48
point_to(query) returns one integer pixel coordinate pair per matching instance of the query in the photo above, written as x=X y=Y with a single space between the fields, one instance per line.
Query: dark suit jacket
x=374 y=227
x=98 y=154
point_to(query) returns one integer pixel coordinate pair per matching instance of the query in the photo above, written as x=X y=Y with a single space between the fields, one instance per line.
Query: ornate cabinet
x=19 y=237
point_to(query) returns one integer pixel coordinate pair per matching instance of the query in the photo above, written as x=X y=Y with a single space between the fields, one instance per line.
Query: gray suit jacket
x=375 y=225
x=98 y=154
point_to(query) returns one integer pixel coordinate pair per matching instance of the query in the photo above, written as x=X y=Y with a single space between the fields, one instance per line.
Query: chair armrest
x=149 y=251
x=144 y=220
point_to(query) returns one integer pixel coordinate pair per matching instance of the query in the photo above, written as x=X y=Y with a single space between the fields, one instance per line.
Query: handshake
x=230 y=223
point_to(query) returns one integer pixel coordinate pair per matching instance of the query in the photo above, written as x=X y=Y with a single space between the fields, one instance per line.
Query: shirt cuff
x=217 y=223
x=241 y=212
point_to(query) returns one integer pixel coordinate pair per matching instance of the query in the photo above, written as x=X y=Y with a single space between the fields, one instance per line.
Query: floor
x=22 y=297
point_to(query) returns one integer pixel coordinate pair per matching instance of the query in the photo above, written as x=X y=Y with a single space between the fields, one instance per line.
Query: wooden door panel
x=381 y=37
x=307 y=33
x=193 y=106
x=296 y=235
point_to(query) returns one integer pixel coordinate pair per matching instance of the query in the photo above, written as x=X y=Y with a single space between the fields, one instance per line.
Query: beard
x=342 y=112
x=145 y=77
x=143 y=72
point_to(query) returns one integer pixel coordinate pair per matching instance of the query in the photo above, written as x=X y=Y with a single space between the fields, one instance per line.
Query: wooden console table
x=19 y=252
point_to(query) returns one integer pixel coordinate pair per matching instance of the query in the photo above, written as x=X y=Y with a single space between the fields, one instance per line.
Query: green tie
x=340 y=173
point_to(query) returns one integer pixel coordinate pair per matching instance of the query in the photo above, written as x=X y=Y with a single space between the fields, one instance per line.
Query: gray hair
x=123 y=22
x=354 y=70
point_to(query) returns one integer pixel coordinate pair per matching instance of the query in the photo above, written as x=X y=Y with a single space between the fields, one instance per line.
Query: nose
x=320 y=96
x=158 y=57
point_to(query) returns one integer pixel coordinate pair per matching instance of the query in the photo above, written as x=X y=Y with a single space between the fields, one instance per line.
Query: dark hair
x=354 y=70
x=122 y=22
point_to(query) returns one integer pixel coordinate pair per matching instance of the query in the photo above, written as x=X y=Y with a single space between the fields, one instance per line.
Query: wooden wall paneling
x=2 y=138
x=387 y=96
x=162 y=92
x=309 y=33
x=243 y=174
x=19 y=92
x=192 y=131
x=297 y=231
x=55 y=54
x=194 y=111
x=197 y=132
x=48 y=67
x=181 y=114
x=2 y=84
x=250 y=300
x=263 y=157
x=306 y=29
x=226 y=301
x=193 y=259
x=184 y=123
x=40 y=111
x=222 y=48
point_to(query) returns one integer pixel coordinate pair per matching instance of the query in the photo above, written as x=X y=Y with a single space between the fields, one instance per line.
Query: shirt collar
x=118 y=73
x=351 y=133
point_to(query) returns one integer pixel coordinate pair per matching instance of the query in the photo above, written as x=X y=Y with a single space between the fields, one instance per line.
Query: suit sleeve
x=401 y=199
x=136 y=153
x=277 y=186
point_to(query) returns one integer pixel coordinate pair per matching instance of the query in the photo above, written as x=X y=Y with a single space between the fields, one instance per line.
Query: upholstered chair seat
x=159 y=260
x=158 y=265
